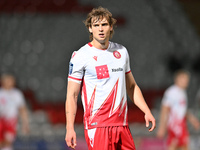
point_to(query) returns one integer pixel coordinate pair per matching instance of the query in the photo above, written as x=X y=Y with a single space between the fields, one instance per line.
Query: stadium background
x=37 y=38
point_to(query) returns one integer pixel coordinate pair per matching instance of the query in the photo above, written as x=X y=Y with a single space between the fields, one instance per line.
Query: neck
x=181 y=86
x=7 y=88
x=99 y=45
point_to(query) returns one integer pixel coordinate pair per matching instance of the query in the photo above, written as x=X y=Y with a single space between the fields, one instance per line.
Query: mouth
x=101 y=35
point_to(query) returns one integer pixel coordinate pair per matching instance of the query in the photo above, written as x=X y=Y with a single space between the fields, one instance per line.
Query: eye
x=95 y=25
x=105 y=24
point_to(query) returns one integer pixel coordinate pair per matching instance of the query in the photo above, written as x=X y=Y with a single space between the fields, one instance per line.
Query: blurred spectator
x=174 y=113
x=12 y=105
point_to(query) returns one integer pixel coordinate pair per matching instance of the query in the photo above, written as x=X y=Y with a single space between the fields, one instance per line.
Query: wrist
x=69 y=126
x=147 y=112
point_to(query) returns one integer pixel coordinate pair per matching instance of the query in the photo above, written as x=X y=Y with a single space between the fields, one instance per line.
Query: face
x=8 y=82
x=182 y=81
x=100 y=29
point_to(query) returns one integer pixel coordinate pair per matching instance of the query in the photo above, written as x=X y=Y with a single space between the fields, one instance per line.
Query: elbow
x=75 y=97
x=130 y=92
x=72 y=97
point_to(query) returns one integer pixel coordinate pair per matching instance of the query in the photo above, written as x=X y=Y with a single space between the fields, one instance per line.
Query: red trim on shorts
x=128 y=72
x=74 y=78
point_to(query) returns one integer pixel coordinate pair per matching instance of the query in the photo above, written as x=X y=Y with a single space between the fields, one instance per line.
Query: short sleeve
x=20 y=99
x=167 y=99
x=76 y=67
x=128 y=69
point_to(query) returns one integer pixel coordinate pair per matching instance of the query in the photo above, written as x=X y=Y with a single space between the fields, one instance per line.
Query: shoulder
x=81 y=57
x=19 y=96
x=116 y=46
x=17 y=91
x=81 y=53
x=171 y=90
x=85 y=49
x=168 y=96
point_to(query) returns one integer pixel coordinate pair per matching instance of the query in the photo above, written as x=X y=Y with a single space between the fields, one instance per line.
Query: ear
x=111 y=28
x=90 y=29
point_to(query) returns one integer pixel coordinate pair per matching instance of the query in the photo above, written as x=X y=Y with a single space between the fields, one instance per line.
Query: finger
x=147 y=123
x=74 y=141
x=153 y=126
x=73 y=147
x=151 y=129
x=68 y=142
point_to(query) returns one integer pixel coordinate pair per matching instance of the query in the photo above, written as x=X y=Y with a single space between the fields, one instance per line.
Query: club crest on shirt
x=117 y=54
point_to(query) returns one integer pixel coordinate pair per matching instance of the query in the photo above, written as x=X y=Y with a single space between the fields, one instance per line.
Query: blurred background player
x=12 y=105
x=174 y=113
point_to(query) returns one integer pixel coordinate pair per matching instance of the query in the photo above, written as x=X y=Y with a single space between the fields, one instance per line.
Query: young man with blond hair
x=102 y=71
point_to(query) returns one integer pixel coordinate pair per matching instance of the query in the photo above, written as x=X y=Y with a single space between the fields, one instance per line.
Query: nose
x=100 y=28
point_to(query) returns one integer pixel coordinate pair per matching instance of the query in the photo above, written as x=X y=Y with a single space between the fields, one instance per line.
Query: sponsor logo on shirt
x=102 y=72
x=117 y=69
x=70 y=68
x=117 y=54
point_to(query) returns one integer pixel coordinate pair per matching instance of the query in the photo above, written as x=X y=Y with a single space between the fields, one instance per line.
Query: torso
x=103 y=84
x=177 y=101
x=10 y=102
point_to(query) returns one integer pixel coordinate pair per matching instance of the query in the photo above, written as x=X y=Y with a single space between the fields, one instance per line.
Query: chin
x=102 y=41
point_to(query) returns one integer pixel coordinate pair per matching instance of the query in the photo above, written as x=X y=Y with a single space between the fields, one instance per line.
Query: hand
x=195 y=122
x=160 y=133
x=197 y=125
x=25 y=129
x=149 y=118
x=70 y=138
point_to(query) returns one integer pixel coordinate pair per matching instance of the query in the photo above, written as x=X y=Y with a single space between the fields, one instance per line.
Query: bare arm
x=193 y=120
x=163 y=121
x=73 y=89
x=24 y=117
x=136 y=96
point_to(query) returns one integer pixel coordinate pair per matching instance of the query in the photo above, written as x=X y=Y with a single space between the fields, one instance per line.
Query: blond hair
x=100 y=13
